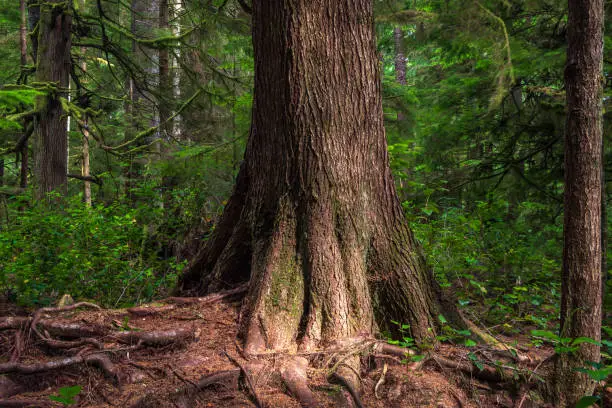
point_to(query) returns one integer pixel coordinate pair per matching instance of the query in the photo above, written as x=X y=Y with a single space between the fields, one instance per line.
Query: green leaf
x=470 y=343
x=545 y=334
x=442 y=319
x=580 y=340
x=66 y=395
x=587 y=401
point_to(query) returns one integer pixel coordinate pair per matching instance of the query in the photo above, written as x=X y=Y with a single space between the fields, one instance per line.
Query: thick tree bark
x=53 y=67
x=314 y=221
x=23 y=172
x=581 y=280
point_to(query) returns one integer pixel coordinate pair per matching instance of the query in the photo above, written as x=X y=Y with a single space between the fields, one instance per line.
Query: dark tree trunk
x=53 y=67
x=314 y=220
x=33 y=18
x=581 y=280
x=23 y=173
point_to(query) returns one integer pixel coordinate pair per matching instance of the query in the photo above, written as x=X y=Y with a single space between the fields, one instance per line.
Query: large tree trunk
x=314 y=221
x=581 y=280
x=53 y=67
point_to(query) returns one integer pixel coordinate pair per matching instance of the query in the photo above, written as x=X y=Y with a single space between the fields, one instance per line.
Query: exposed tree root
x=71 y=330
x=17 y=346
x=336 y=377
x=380 y=381
x=212 y=298
x=38 y=314
x=99 y=360
x=86 y=343
x=153 y=338
x=80 y=341
x=487 y=373
x=227 y=378
x=247 y=380
x=293 y=373
x=148 y=310
x=23 y=403
x=14 y=323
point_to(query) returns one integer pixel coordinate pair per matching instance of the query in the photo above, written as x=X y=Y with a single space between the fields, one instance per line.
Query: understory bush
x=97 y=253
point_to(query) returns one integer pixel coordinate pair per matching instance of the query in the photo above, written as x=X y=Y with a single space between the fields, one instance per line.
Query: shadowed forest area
x=305 y=203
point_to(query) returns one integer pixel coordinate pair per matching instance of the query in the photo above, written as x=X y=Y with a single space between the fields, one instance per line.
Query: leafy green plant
x=66 y=395
x=405 y=341
x=562 y=344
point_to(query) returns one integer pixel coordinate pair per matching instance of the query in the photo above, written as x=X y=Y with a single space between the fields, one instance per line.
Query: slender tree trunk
x=176 y=74
x=33 y=18
x=23 y=33
x=23 y=174
x=314 y=220
x=23 y=47
x=400 y=61
x=581 y=280
x=164 y=75
x=52 y=67
x=400 y=57
x=86 y=161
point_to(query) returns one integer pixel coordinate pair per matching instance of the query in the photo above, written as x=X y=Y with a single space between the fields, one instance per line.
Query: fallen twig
x=381 y=380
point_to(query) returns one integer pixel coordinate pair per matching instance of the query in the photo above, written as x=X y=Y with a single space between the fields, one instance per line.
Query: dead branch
x=92 y=179
x=385 y=348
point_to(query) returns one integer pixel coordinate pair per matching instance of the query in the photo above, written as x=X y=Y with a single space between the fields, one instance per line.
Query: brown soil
x=167 y=371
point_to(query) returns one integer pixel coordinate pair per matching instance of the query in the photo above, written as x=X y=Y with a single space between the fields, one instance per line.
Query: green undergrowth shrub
x=503 y=262
x=96 y=253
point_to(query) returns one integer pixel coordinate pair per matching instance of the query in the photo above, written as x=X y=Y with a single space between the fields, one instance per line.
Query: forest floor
x=183 y=353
